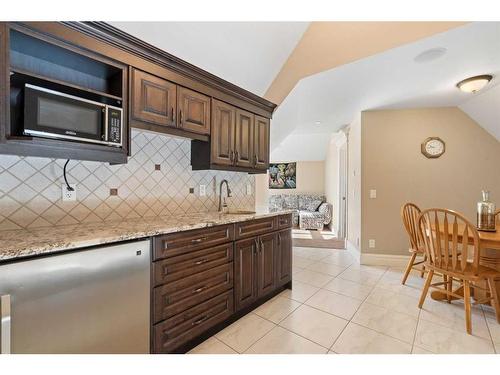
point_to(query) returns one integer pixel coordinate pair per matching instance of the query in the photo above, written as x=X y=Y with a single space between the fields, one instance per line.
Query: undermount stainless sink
x=240 y=212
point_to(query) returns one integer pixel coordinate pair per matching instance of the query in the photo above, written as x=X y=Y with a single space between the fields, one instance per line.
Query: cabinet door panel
x=266 y=279
x=261 y=143
x=243 y=145
x=245 y=263
x=284 y=257
x=154 y=99
x=222 y=137
x=194 y=111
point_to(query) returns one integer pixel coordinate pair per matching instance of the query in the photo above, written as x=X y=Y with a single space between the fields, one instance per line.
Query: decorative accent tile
x=30 y=187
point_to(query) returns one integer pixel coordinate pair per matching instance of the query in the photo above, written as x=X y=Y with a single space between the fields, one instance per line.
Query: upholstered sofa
x=311 y=211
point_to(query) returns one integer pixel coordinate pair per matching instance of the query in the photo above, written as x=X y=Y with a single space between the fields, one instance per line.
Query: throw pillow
x=313 y=205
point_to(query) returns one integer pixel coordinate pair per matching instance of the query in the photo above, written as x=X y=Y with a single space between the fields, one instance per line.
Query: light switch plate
x=373 y=194
x=371 y=244
x=203 y=190
x=67 y=195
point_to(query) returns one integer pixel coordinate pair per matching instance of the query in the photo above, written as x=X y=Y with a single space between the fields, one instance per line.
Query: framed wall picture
x=283 y=175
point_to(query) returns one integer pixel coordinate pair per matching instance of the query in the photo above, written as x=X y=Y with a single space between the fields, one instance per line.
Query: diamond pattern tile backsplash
x=30 y=188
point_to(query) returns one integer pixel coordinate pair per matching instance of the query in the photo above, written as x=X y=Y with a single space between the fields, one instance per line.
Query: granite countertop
x=28 y=242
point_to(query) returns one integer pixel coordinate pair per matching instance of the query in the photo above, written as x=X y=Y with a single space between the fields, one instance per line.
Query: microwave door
x=54 y=114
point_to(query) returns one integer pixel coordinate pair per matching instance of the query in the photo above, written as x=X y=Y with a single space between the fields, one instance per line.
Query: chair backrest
x=497 y=217
x=450 y=240
x=410 y=213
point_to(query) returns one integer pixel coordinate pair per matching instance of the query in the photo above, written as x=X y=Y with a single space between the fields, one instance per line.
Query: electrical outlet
x=373 y=194
x=371 y=244
x=67 y=195
x=203 y=190
x=249 y=189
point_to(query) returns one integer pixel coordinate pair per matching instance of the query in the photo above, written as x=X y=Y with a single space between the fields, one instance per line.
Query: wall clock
x=433 y=147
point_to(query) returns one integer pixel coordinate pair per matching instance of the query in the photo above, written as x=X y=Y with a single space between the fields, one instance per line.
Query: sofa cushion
x=275 y=203
x=306 y=199
x=313 y=205
x=290 y=202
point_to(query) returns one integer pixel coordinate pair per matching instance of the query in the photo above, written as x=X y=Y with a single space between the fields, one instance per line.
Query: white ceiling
x=248 y=54
x=393 y=80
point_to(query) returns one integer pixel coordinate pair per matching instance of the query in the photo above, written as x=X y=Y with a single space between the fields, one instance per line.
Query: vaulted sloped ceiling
x=248 y=54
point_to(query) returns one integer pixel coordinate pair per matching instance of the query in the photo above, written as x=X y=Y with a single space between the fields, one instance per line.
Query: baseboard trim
x=370 y=259
x=351 y=249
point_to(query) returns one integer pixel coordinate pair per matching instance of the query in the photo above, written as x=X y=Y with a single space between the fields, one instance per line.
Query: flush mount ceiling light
x=474 y=84
x=318 y=122
x=430 y=55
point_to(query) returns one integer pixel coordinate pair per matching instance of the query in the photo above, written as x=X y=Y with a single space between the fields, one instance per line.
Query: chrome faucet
x=222 y=203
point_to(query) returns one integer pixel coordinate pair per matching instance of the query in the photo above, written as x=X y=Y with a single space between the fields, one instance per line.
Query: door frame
x=343 y=188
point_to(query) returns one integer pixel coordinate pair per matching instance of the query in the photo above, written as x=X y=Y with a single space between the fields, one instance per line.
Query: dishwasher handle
x=5 y=324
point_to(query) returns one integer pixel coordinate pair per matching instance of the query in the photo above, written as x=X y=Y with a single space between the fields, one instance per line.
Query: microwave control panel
x=114 y=125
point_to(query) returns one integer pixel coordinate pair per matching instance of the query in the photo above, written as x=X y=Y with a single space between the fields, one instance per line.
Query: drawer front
x=285 y=221
x=173 y=298
x=175 y=268
x=178 y=330
x=256 y=227
x=174 y=244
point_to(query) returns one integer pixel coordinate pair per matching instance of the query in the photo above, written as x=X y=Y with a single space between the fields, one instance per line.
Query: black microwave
x=53 y=114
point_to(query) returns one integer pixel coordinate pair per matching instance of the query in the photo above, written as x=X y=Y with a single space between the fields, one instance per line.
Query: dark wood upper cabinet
x=283 y=257
x=154 y=100
x=194 y=111
x=266 y=279
x=261 y=142
x=245 y=275
x=243 y=141
x=222 y=137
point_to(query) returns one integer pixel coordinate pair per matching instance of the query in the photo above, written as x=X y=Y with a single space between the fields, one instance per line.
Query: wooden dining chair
x=410 y=213
x=452 y=248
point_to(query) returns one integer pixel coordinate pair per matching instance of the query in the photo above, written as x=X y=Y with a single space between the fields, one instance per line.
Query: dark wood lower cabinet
x=198 y=291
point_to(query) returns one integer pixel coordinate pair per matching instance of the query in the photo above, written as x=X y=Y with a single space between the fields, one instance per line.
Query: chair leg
x=496 y=298
x=409 y=267
x=422 y=273
x=468 y=323
x=449 y=288
x=426 y=288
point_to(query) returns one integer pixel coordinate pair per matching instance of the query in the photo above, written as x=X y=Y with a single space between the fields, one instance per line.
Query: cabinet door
x=222 y=137
x=261 y=143
x=284 y=257
x=154 y=99
x=266 y=278
x=245 y=264
x=243 y=145
x=194 y=111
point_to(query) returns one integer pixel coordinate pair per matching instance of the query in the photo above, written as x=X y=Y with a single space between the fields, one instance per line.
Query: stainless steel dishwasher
x=89 y=301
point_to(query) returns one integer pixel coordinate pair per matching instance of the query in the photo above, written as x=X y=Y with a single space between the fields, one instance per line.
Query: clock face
x=433 y=147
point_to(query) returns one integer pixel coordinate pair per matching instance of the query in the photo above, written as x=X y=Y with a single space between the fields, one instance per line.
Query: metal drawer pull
x=200 y=289
x=5 y=324
x=198 y=240
x=201 y=261
x=199 y=321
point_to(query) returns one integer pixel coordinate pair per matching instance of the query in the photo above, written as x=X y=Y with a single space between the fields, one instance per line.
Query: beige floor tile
x=392 y=281
x=331 y=352
x=212 y=346
x=361 y=340
x=312 y=278
x=439 y=339
x=334 y=303
x=394 y=301
x=301 y=262
x=244 y=332
x=282 y=341
x=342 y=259
x=315 y=325
x=386 y=321
x=300 y=292
x=326 y=268
x=452 y=315
x=493 y=326
x=497 y=347
x=277 y=309
x=418 y=350
x=296 y=270
x=349 y=288
x=376 y=270
x=360 y=276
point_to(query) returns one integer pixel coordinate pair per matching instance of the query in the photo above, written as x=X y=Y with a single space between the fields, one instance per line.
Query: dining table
x=489 y=256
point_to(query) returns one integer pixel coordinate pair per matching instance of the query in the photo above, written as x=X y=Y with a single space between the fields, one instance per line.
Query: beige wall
x=310 y=179
x=354 y=184
x=393 y=165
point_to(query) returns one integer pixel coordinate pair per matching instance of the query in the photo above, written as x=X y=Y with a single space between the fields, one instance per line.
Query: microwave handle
x=5 y=324
x=105 y=110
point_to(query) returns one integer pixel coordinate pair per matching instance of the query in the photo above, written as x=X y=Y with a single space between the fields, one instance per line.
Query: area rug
x=314 y=238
